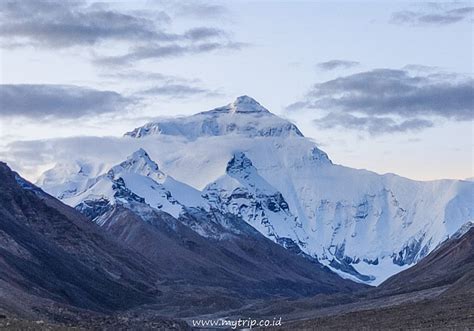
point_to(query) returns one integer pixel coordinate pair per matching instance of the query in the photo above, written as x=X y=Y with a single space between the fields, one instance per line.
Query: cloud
x=146 y=77
x=394 y=100
x=64 y=24
x=199 y=10
x=161 y=85
x=58 y=101
x=177 y=91
x=70 y=23
x=28 y=157
x=373 y=125
x=138 y=75
x=337 y=64
x=203 y=33
x=420 y=67
x=160 y=51
x=396 y=92
x=433 y=15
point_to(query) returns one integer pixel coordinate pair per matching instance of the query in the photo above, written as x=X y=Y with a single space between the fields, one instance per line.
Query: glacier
x=244 y=160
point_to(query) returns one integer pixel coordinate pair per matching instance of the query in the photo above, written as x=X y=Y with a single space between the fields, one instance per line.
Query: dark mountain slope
x=240 y=259
x=49 y=251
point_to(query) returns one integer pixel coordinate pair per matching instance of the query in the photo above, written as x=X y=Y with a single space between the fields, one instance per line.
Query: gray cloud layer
x=337 y=64
x=63 y=24
x=384 y=94
x=433 y=15
x=44 y=101
x=162 y=85
x=159 y=51
x=70 y=23
x=137 y=75
x=373 y=125
x=175 y=91
x=58 y=101
x=199 y=10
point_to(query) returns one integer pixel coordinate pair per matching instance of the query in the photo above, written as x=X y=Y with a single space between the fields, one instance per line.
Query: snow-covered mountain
x=242 y=159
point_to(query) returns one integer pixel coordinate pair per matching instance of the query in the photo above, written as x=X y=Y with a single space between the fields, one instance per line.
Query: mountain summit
x=243 y=117
x=244 y=104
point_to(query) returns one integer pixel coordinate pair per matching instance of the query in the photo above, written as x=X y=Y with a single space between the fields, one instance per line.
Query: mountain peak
x=246 y=104
x=140 y=159
x=139 y=162
x=139 y=154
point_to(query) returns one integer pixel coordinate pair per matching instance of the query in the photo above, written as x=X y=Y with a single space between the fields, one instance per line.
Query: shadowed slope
x=49 y=251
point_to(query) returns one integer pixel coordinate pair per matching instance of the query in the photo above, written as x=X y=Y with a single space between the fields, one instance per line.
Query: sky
x=385 y=86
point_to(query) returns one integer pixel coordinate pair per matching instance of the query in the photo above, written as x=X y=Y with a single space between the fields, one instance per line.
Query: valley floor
x=455 y=313
x=111 y=323
x=424 y=310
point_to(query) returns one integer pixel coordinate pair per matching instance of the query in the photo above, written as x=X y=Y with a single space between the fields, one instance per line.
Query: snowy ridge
x=248 y=162
x=141 y=164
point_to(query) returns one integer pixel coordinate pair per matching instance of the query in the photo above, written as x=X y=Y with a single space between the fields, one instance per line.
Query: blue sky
x=385 y=86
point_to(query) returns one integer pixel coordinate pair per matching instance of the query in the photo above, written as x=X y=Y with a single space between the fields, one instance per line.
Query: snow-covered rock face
x=138 y=179
x=243 y=160
x=244 y=193
x=244 y=116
